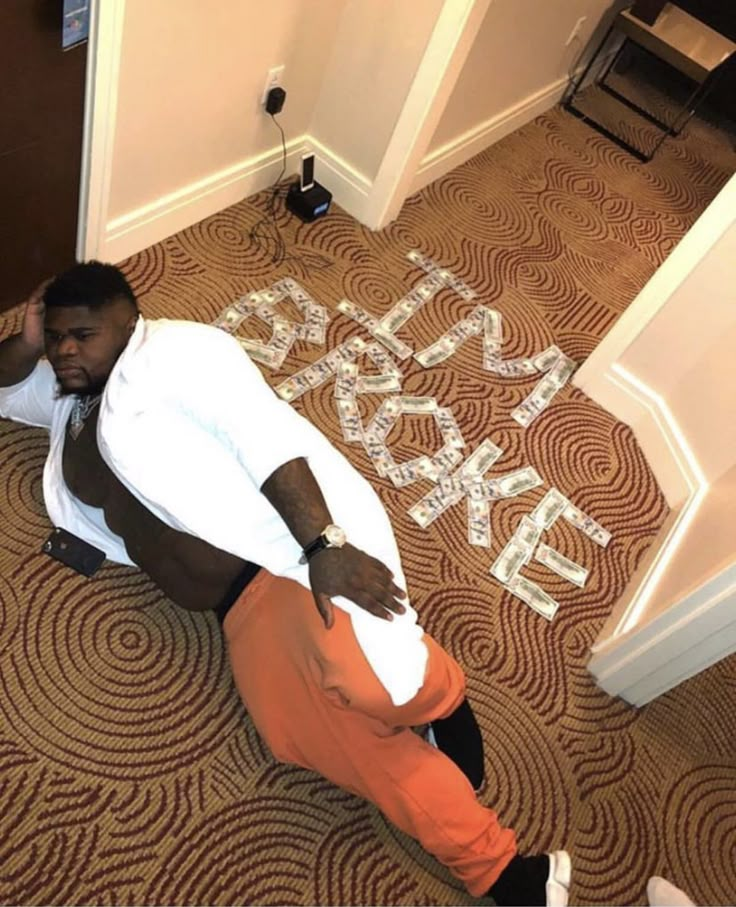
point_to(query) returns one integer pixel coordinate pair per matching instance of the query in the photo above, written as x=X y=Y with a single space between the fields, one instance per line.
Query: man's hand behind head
x=33 y=319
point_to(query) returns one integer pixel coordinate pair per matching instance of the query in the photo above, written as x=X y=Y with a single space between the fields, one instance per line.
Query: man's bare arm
x=20 y=353
x=293 y=490
x=17 y=360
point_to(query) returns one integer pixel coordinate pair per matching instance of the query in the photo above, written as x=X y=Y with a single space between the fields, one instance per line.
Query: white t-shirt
x=190 y=427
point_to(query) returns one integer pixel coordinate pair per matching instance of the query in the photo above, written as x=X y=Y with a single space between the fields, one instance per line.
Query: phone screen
x=307 y=172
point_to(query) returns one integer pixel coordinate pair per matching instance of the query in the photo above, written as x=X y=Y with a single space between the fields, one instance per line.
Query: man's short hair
x=91 y=284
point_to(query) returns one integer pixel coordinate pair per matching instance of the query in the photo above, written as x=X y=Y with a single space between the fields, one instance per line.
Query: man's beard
x=90 y=389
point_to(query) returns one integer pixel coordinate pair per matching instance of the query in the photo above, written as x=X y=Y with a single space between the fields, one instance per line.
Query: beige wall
x=191 y=78
x=374 y=59
x=687 y=354
x=708 y=548
x=520 y=50
x=673 y=352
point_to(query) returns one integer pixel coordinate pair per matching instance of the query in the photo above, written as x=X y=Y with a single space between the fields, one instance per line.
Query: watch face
x=335 y=536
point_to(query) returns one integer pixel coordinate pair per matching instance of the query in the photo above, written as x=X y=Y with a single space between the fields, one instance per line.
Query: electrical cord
x=267 y=234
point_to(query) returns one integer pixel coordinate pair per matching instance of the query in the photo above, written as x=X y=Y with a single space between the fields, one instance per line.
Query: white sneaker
x=557 y=888
x=661 y=893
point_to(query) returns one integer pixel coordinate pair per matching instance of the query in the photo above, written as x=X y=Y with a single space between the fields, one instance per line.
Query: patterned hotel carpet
x=129 y=772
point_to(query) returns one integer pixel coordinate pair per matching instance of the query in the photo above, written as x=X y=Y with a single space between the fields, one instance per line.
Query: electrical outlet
x=273 y=80
x=576 y=30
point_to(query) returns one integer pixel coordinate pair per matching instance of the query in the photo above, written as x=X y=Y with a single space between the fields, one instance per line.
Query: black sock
x=458 y=737
x=523 y=882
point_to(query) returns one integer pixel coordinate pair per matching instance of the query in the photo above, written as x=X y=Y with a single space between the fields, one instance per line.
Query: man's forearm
x=17 y=360
x=294 y=492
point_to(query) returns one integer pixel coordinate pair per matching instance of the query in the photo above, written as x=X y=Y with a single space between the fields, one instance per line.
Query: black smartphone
x=74 y=552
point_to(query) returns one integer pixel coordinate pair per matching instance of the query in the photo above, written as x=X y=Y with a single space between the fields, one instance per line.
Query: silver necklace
x=83 y=406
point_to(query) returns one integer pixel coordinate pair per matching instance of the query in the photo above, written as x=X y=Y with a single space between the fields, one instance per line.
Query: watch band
x=312 y=548
x=331 y=537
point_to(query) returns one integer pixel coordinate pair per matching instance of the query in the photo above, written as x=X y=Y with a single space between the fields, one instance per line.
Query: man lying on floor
x=169 y=451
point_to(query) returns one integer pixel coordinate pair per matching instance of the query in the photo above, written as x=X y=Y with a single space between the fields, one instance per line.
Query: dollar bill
x=384 y=419
x=510 y=368
x=541 y=396
x=452 y=437
x=230 y=319
x=561 y=565
x=531 y=594
x=292 y=388
x=285 y=285
x=549 y=508
x=350 y=421
x=455 y=484
x=508 y=563
x=492 y=328
x=561 y=370
x=527 y=533
x=447 y=424
x=479 y=523
x=439 y=351
x=393 y=344
x=465 y=292
x=398 y=316
x=412 y=471
x=453 y=281
x=382 y=360
x=317 y=373
x=320 y=371
x=269 y=297
x=417 y=257
x=315 y=325
x=379 y=454
x=283 y=338
x=347 y=377
x=482 y=458
x=246 y=305
x=544 y=361
x=587 y=525
x=452 y=340
x=259 y=352
x=363 y=318
x=475 y=322
x=267 y=313
x=431 y=506
x=356 y=345
x=377 y=384
x=445 y=459
x=417 y=405
x=519 y=481
x=407 y=307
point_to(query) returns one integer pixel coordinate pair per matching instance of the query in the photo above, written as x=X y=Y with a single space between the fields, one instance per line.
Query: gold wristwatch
x=331 y=537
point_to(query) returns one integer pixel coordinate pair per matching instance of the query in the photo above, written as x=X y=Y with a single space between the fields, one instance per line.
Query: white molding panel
x=149 y=224
x=460 y=149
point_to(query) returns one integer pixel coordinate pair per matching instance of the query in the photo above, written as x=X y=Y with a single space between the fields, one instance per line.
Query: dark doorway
x=41 y=125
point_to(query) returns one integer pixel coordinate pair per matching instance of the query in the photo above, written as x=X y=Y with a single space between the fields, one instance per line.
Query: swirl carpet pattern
x=129 y=770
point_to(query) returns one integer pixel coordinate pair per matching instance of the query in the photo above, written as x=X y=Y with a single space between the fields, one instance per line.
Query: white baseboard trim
x=350 y=188
x=460 y=149
x=149 y=224
x=635 y=658
x=685 y=639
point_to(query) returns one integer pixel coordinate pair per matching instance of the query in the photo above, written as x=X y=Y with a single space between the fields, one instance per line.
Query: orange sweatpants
x=316 y=702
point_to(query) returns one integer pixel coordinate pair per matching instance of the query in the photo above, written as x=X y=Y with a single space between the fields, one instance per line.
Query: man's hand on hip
x=351 y=572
